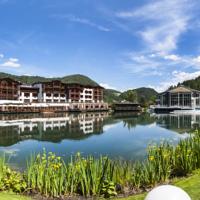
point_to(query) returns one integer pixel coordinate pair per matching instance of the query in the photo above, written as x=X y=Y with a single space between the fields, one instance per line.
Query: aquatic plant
x=50 y=175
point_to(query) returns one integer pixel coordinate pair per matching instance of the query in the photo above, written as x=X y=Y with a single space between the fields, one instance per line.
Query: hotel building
x=84 y=94
x=40 y=95
x=28 y=94
x=51 y=92
x=9 y=90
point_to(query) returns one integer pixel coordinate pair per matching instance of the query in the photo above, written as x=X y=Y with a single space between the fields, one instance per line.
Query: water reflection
x=53 y=128
x=181 y=123
x=144 y=119
x=125 y=135
x=57 y=127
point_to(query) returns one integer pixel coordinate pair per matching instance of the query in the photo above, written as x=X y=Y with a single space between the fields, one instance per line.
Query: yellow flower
x=165 y=155
x=151 y=157
x=59 y=164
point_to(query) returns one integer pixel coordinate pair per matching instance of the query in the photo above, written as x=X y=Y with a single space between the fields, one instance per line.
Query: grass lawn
x=191 y=185
x=12 y=196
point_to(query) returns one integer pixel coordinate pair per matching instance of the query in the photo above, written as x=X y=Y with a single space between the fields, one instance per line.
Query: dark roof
x=69 y=84
x=47 y=81
x=127 y=103
x=9 y=79
x=85 y=86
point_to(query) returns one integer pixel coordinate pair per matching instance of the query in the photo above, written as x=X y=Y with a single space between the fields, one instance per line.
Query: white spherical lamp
x=167 y=192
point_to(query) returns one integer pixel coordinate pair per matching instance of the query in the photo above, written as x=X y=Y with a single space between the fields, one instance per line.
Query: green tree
x=130 y=95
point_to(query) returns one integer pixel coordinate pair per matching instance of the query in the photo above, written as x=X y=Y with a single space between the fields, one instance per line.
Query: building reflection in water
x=60 y=126
x=180 y=123
x=52 y=128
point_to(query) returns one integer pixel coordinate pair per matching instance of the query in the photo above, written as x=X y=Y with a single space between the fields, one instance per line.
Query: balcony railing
x=175 y=106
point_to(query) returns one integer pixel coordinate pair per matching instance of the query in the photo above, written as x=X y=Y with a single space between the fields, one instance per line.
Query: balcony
x=48 y=97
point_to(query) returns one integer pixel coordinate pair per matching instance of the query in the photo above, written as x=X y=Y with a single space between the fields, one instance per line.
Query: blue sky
x=121 y=44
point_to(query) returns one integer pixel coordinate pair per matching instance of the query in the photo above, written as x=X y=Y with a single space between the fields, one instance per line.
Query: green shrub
x=108 y=189
x=11 y=180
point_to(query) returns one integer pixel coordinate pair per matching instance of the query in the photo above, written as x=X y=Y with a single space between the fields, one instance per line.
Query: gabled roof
x=180 y=89
x=9 y=79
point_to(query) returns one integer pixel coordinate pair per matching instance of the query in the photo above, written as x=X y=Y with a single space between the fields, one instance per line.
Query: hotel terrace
x=49 y=96
x=180 y=97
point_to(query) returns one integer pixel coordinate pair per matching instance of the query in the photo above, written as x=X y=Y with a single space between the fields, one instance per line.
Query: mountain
x=112 y=96
x=144 y=96
x=193 y=83
x=77 y=78
x=146 y=93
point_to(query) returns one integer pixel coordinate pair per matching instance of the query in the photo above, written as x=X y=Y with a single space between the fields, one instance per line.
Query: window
x=187 y=99
x=35 y=95
x=27 y=94
x=174 y=99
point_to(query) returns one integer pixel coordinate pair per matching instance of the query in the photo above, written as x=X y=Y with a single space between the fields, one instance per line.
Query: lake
x=121 y=135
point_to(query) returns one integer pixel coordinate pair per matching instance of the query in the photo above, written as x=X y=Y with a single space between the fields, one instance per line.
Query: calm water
x=122 y=135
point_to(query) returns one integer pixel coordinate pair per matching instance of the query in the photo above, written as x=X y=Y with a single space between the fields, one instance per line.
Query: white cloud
x=1 y=56
x=196 y=61
x=88 y=22
x=142 y=63
x=13 y=59
x=172 y=57
x=176 y=77
x=157 y=63
x=107 y=86
x=11 y=62
x=164 y=22
x=181 y=76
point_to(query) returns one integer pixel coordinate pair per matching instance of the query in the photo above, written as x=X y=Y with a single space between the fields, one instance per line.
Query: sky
x=121 y=44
